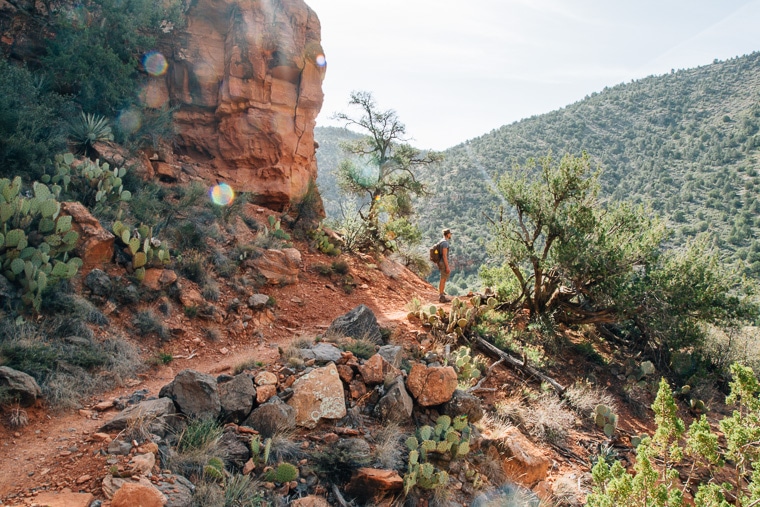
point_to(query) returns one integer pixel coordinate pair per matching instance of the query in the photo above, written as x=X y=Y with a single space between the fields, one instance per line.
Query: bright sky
x=454 y=70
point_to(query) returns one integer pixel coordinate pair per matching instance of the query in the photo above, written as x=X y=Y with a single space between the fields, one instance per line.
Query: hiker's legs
x=442 y=283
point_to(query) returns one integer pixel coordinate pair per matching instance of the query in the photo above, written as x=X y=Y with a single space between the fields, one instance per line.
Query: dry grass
x=284 y=447
x=388 y=452
x=584 y=397
x=18 y=418
x=545 y=419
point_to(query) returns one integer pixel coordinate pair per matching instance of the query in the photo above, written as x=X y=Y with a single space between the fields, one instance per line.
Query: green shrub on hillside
x=94 y=53
x=731 y=454
x=32 y=122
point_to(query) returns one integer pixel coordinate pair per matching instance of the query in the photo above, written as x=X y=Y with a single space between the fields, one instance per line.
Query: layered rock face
x=247 y=76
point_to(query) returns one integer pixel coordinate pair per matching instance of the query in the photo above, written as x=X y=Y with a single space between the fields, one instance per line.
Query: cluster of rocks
x=333 y=387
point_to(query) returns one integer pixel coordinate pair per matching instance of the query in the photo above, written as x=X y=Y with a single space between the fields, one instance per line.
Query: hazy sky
x=454 y=70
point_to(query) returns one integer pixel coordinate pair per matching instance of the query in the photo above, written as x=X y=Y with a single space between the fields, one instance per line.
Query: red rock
x=96 y=245
x=310 y=501
x=372 y=484
x=377 y=369
x=64 y=499
x=318 y=395
x=254 y=120
x=103 y=406
x=138 y=495
x=264 y=393
x=523 y=462
x=346 y=373
x=431 y=385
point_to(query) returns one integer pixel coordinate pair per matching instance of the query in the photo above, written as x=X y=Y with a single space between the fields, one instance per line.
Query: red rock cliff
x=249 y=87
x=245 y=78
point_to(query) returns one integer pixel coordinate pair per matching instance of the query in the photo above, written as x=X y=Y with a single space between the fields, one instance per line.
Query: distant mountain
x=687 y=142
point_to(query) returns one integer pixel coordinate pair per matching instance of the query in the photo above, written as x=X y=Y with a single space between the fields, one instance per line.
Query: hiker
x=443 y=266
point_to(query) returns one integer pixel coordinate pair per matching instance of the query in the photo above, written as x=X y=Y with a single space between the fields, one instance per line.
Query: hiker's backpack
x=435 y=252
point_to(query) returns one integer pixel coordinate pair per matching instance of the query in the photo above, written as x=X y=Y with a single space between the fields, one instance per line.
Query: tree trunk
x=493 y=350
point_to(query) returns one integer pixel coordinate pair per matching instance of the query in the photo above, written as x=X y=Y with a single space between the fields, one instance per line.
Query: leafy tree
x=568 y=252
x=383 y=172
x=584 y=261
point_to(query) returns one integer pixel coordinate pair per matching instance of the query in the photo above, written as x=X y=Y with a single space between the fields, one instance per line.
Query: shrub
x=87 y=130
x=362 y=348
x=147 y=322
x=31 y=127
x=197 y=445
x=93 y=55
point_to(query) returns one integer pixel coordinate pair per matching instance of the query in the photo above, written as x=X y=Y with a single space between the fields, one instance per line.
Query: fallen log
x=493 y=350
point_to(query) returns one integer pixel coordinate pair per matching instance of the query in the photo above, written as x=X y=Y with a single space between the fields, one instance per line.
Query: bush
x=147 y=322
x=93 y=55
x=32 y=129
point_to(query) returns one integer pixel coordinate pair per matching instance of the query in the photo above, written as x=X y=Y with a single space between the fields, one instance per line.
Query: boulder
x=393 y=354
x=158 y=415
x=310 y=501
x=19 y=386
x=177 y=490
x=248 y=93
x=265 y=378
x=234 y=450
x=159 y=279
x=358 y=323
x=318 y=395
x=236 y=397
x=396 y=405
x=258 y=301
x=62 y=499
x=195 y=394
x=431 y=385
x=463 y=403
x=278 y=267
x=96 y=245
x=523 y=462
x=271 y=417
x=138 y=495
x=377 y=370
x=372 y=484
x=321 y=353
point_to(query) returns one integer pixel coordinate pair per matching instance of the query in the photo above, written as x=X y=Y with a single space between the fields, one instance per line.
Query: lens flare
x=321 y=60
x=155 y=63
x=222 y=194
x=129 y=121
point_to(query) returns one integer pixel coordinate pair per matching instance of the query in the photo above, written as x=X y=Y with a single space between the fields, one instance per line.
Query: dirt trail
x=57 y=451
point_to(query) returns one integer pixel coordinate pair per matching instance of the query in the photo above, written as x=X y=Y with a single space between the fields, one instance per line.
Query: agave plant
x=89 y=129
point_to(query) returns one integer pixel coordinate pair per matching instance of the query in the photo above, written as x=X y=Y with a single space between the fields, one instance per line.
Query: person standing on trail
x=444 y=266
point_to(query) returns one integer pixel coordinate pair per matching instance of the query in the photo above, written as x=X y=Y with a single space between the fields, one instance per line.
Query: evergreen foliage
x=384 y=173
x=662 y=141
x=656 y=481
x=32 y=128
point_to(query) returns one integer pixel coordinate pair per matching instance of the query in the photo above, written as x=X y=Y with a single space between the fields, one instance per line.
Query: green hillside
x=687 y=143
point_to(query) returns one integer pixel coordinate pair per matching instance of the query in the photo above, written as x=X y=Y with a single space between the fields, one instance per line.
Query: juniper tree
x=382 y=172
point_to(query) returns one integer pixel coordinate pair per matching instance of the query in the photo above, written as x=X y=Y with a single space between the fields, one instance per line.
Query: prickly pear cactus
x=605 y=419
x=145 y=249
x=35 y=240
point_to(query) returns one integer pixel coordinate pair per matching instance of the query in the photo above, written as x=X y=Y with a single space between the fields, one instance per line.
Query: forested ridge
x=685 y=143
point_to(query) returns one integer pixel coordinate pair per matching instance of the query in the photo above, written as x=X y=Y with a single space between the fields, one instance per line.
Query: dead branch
x=495 y=351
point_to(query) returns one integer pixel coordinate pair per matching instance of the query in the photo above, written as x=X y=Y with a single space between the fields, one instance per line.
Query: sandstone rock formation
x=247 y=77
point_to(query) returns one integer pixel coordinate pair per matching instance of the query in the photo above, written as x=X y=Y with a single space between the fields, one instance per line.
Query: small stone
x=83 y=479
x=224 y=351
